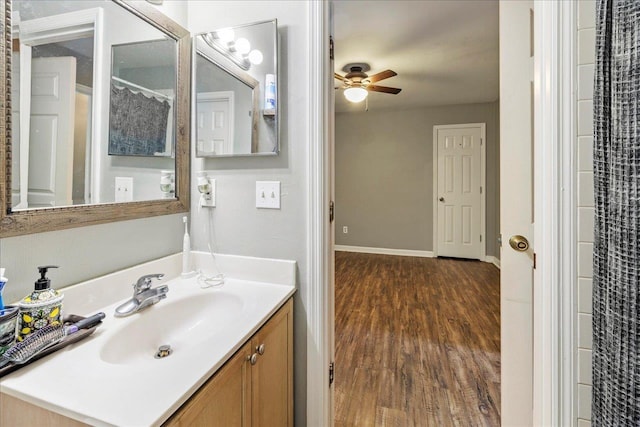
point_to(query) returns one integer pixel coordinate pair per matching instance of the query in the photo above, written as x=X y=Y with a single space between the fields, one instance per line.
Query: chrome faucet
x=143 y=295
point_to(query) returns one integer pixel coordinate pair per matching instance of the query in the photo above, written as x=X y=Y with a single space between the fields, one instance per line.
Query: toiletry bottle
x=3 y=281
x=8 y=316
x=270 y=92
x=40 y=308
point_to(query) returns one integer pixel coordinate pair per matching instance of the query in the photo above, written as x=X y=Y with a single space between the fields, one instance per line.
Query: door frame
x=554 y=363
x=483 y=183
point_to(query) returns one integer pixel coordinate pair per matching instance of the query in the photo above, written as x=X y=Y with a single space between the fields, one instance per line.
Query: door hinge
x=331 y=48
x=534 y=261
x=480 y=190
x=331 y=372
x=481 y=237
x=331 y=211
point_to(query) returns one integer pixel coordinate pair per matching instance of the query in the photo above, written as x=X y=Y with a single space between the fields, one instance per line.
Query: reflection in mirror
x=62 y=108
x=143 y=78
x=235 y=88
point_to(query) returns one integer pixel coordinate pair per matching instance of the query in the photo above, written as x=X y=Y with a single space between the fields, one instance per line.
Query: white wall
x=585 y=204
x=239 y=227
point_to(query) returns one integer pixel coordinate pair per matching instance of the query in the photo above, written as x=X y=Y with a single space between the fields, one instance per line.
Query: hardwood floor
x=417 y=341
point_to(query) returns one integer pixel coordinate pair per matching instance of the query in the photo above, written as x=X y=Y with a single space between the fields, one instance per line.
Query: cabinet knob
x=260 y=349
x=253 y=359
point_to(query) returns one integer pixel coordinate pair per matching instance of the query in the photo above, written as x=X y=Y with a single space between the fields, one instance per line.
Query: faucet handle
x=144 y=282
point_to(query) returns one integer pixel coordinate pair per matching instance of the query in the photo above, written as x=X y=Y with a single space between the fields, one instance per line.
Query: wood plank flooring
x=417 y=341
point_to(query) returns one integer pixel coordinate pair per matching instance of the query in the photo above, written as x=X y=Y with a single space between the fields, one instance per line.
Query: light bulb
x=243 y=46
x=355 y=94
x=226 y=35
x=255 y=56
x=204 y=186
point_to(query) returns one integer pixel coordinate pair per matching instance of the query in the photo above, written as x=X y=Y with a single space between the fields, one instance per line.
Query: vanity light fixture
x=206 y=187
x=355 y=94
x=237 y=51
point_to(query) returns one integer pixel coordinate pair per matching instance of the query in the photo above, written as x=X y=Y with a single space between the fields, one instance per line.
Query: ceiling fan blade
x=382 y=75
x=339 y=77
x=384 y=89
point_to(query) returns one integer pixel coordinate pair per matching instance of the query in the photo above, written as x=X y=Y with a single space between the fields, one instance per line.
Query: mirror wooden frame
x=49 y=219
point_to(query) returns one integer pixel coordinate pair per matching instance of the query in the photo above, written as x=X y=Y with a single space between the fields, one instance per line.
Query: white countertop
x=81 y=383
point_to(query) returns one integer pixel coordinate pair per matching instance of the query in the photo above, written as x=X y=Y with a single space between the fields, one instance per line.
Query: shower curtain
x=616 y=260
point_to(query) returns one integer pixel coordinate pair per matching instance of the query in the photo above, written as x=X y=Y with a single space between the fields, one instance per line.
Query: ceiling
x=444 y=51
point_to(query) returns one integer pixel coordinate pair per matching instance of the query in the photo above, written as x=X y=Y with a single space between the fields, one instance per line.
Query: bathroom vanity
x=231 y=361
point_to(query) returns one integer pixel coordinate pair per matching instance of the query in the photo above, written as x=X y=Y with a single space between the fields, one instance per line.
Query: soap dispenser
x=40 y=308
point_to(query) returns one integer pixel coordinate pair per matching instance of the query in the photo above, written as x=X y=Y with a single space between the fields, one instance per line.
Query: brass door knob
x=441 y=199
x=519 y=243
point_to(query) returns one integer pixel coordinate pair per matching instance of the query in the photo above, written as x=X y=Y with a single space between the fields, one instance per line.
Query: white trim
x=317 y=298
x=554 y=192
x=384 y=251
x=567 y=291
x=483 y=183
x=493 y=260
x=57 y=28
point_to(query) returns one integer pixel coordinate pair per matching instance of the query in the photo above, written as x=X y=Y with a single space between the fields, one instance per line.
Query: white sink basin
x=183 y=324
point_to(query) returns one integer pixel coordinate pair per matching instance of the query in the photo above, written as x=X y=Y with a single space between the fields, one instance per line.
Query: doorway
x=553 y=396
x=459 y=171
x=380 y=137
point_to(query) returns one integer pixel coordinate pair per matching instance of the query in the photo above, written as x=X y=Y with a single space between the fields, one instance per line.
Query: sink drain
x=163 y=351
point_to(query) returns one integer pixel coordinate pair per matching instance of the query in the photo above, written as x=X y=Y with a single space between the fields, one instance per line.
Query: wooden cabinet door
x=223 y=400
x=272 y=374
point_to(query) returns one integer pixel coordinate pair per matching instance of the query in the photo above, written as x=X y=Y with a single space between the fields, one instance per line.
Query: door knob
x=441 y=199
x=519 y=243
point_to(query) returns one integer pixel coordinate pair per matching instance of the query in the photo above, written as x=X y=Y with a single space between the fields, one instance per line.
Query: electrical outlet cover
x=268 y=194
x=124 y=189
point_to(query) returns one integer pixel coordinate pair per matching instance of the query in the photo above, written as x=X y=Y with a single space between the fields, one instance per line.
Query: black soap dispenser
x=40 y=308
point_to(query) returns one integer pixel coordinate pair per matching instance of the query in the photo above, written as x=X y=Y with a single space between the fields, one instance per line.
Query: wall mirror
x=235 y=94
x=95 y=119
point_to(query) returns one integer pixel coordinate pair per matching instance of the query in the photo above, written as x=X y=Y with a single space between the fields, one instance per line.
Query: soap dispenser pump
x=40 y=308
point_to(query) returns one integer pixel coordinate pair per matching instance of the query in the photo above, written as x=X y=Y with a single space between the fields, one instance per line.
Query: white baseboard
x=384 y=251
x=493 y=260
x=401 y=252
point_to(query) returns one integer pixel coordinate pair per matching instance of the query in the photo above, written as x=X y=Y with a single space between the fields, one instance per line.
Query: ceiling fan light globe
x=355 y=94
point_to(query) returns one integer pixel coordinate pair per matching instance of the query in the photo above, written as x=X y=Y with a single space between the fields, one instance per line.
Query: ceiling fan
x=357 y=83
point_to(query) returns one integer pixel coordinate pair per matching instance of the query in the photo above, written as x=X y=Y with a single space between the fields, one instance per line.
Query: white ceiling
x=444 y=51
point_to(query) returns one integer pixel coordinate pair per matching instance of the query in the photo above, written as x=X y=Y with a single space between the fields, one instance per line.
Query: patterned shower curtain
x=616 y=275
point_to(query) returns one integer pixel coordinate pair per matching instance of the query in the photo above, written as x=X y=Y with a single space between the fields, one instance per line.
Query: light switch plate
x=268 y=194
x=209 y=200
x=124 y=189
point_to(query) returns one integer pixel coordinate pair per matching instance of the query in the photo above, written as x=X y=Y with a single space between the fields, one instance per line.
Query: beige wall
x=384 y=175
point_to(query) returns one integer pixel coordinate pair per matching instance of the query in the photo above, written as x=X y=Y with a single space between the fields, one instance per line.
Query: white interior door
x=459 y=208
x=215 y=122
x=51 y=131
x=516 y=211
